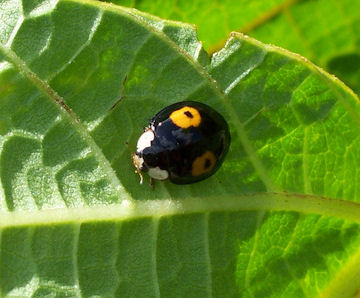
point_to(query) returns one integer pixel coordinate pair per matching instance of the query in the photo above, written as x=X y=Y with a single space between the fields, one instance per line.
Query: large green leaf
x=326 y=32
x=79 y=79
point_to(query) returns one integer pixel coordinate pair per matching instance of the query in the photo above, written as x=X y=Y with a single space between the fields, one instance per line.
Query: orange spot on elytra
x=186 y=117
x=203 y=163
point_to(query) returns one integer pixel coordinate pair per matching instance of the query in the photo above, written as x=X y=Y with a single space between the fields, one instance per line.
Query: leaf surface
x=326 y=32
x=78 y=79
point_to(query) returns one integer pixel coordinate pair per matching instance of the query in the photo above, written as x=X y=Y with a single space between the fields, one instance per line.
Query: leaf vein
x=154 y=257
x=82 y=47
x=77 y=229
x=66 y=112
x=207 y=251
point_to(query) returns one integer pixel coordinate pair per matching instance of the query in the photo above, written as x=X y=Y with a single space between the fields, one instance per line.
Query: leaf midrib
x=129 y=209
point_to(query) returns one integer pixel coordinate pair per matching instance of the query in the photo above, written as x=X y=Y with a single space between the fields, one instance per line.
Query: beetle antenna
x=135 y=162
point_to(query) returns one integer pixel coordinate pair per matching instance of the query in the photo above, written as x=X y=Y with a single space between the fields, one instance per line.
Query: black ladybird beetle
x=185 y=142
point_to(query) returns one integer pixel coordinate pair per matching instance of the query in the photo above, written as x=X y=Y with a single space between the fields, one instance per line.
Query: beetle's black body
x=190 y=141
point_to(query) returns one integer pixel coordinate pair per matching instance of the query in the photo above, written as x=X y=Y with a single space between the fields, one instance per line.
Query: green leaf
x=214 y=19
x=79 y=79
x=326 y=32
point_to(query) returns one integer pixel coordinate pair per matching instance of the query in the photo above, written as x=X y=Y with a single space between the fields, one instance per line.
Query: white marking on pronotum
x=145 y=140
x=158 y=173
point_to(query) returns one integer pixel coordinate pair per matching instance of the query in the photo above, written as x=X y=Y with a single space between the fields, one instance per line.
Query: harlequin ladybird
x=185 y=142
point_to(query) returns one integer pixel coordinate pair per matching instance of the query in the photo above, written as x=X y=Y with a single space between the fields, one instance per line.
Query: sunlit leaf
x=79 y=79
